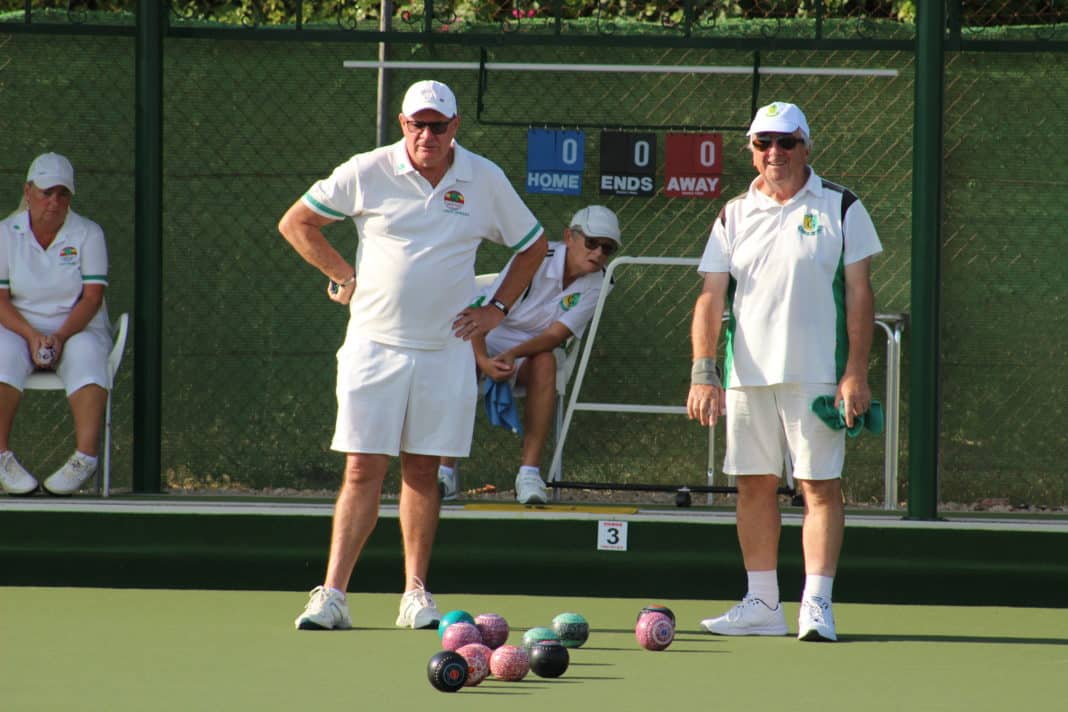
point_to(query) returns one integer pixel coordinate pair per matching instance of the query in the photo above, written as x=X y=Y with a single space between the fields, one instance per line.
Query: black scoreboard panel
x=628 y=163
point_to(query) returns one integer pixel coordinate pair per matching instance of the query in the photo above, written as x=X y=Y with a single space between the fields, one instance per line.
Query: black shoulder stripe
x=848 y=196
x=722 y=217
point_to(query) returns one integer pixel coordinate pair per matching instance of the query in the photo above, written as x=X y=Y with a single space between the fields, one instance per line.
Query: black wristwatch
x=500 y=305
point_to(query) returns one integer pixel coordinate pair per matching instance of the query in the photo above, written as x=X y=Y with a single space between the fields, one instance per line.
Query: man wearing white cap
x=53 y=273
x=790 y=259
x=522 y=349
x=406 y=374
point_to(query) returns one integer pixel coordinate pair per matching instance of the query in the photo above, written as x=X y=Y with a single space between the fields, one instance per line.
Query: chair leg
x=106 y=480
x=555 y=475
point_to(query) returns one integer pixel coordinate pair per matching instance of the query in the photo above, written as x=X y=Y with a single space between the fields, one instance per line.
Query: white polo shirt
x=417 y=242
x=46 y=284
x=787 y=285
x=546 y=301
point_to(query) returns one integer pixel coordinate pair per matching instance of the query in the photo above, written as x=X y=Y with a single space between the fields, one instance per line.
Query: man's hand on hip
x=475 y=321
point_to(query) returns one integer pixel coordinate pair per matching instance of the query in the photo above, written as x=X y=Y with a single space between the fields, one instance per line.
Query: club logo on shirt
x=68 y=255
x=570 y=301
x=454 y=200
x=810 y=225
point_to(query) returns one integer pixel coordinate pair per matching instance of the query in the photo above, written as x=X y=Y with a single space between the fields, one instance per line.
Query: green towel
x=872 y=419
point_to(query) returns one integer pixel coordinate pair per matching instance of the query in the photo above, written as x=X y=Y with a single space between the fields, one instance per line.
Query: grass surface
x=116 y=650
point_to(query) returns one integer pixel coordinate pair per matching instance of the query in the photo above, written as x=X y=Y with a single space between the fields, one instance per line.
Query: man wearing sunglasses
x=522 y=349
x=790 y=259
x=406 y=372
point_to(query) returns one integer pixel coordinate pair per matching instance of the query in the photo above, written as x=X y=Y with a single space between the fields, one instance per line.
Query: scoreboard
x=693 y=165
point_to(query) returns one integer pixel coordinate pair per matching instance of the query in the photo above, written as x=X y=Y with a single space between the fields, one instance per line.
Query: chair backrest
x=484 y=280
x=120 y=331
x=50 y=381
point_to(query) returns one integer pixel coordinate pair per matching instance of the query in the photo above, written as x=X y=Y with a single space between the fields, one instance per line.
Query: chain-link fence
x=249 y=338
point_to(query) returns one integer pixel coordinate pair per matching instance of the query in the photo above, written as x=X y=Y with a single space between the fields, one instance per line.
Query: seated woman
x=558 y=304
x=53 y=271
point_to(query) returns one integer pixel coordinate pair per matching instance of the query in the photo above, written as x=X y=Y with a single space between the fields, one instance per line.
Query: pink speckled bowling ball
x=477 y=656
x=460 y=634
x=494 y=629
x=654 y=631
x=509 y=663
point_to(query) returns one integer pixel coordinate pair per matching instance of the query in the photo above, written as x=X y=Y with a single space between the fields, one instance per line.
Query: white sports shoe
x=326 y=610
x=750 y=617
x=70 y=478
x=448 y=484
x=816 y=620
x=530 y=489
x=417 y=609
x=13 y=476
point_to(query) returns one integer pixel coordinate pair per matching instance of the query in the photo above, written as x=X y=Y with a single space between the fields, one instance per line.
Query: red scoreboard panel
x=693 y=165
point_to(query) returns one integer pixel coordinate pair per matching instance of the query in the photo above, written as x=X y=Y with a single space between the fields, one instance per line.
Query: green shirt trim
x=319 y=206
x=532 y=235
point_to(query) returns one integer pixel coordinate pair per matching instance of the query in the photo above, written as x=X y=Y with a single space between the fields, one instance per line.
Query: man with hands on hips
x=406 y=372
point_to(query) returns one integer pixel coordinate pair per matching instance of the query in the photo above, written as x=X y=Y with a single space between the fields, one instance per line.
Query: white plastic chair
x=49 y=381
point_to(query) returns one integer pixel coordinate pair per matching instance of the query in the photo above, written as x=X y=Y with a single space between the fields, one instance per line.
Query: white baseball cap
x=49 y=170
x=779 y=117
x=429 y=94
x=597 y=221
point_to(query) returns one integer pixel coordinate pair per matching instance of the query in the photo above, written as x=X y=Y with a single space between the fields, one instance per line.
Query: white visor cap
x=49 y=170
x=429 y=94
x=597 y=221
x=779 y=117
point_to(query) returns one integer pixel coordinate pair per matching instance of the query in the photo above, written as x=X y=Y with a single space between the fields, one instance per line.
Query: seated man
x=558 y=304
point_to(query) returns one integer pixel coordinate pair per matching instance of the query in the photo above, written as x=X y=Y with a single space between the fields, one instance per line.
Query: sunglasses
x=608 y=247
x=786 y=143
x=436 y=127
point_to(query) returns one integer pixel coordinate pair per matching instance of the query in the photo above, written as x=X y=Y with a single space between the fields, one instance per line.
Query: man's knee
x=819 y=493
x=419 y=470
x=542 y=370
x=365 y=468
x=757 y=484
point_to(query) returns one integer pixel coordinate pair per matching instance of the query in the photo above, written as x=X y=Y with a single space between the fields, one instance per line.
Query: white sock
x=528 y=470
x=337 y=591
x=820 y=586
x=446 y=471
x=87 y=459
x=765 y=586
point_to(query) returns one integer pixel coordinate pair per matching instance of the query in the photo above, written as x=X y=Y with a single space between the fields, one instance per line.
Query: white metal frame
x=892 y=324
x=610 y=68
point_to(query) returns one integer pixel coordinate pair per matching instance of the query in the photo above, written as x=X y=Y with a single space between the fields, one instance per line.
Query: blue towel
x=500 y=405
x=872 y=419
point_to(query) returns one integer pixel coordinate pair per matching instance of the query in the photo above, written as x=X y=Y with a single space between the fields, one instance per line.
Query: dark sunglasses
x=608 y=247
x=436 y=127
x=786 y=143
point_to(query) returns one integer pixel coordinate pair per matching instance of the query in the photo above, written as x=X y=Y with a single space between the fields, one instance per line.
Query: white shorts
x=84 y=360
x=392 y=399
x=768 y=424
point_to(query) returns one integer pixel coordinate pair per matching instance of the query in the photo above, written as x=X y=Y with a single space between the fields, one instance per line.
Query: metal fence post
x=924 y=386
x=148 y=255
